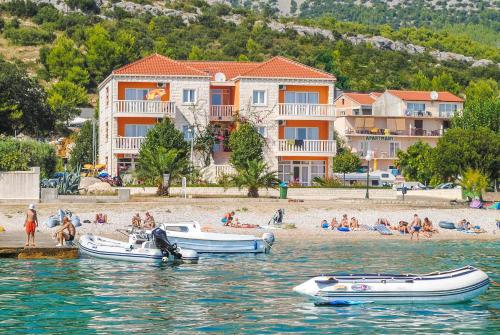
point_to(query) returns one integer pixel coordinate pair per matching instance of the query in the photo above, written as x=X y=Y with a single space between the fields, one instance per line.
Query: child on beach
x=30 y=224
x=334 y=224
x=149 y=221
x=136 y=221
x=416 y=225
x=101 y=218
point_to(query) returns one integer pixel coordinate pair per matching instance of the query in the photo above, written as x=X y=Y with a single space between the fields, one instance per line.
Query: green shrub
x=20 y=155
x=28 y=36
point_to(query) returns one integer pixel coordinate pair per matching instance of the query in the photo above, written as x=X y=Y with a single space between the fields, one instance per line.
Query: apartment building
x=291 y=105
x=384 y=123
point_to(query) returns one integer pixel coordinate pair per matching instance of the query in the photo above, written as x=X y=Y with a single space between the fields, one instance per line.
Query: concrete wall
x=49 y=195
x=20 y=185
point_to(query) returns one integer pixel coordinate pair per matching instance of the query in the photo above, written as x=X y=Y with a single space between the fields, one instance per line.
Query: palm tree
x=256 y=175
x=473 y=183
x=157 y=161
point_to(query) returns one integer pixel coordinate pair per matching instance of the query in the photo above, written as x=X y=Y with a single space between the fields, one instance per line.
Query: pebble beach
x=306 y=216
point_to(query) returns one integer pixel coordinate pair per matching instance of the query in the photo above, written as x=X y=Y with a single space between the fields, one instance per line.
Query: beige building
x=290 y=104
x=384 y=123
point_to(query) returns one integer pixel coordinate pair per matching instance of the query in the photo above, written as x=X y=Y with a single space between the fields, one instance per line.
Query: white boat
x=189 y=235
x=437 y=287
x=147 y=252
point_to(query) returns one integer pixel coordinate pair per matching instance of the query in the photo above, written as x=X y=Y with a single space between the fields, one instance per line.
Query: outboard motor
x=162 y=243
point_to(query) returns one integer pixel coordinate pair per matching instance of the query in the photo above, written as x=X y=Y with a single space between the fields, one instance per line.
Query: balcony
x=306 y=148
x=393 y=132
x=127 y=145
x=221 y=112
x=138 y=108
x=306 y=111
x=223 y=169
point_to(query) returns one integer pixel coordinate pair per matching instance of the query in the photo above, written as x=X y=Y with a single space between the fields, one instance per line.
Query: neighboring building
x=291 y=105
x=384 y=123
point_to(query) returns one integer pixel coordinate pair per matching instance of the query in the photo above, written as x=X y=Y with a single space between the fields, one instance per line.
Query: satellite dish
x=434 y=95
x=220 y=77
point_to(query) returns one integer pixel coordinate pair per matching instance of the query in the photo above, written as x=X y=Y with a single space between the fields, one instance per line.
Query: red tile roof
x=361 y=98
x=159 y=65
x=276 y=67
x=230 y=69
x=281 y=67
x=424 y=96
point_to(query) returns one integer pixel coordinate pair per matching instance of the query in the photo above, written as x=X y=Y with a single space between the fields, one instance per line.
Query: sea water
x=240 y=294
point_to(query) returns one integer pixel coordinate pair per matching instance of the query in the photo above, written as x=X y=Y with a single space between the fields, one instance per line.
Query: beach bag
x=75 y=220
x=52 y=221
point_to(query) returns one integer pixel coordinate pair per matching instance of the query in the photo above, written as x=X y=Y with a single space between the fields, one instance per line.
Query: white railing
x=221 y=113
x=127 y=143
x=308 y=110
x=167 y=108
x=307 y=146
x=224 y=169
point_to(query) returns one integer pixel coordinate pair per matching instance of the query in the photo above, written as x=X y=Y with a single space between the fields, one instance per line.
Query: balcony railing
x=324 y=147
x=224 y=169
x=128 y=143
x=306 y=110
x=166 y=108
x=221 y=113
x=446 y=114
x=392 y=132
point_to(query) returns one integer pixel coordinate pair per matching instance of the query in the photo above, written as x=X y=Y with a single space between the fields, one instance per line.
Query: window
x=363 y=148
x=259 y=97
x=262 y=131
x=137 y=130
x=447 y=109
x=107 y=96
x=189 y=96
x=292 y=133
x=415 y=107
x=188 y=135
x=136 y=93
x=301 y=97
x=393 y=149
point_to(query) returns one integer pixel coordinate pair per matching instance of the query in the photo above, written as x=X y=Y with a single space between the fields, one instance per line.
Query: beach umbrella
x=153 y=94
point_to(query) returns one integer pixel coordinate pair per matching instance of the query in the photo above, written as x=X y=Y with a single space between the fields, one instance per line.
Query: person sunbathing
x=402 y=227
x=101 y=218
x=354 y=224
x=344 y=222
x=136 y=221
x=334 y=224
x=463 y=225
x=383 y=221
x=149 y=221
x=427 y=228
x=236 y=224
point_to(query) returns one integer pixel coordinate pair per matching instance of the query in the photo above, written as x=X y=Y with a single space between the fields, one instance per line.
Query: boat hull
x=441 y=288
x=219 y=246
x=98 y=247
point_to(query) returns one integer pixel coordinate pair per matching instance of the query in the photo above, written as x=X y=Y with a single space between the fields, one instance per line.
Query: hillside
x=82 y=41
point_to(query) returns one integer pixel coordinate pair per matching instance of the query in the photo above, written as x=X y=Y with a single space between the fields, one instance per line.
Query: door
x=419 y=125
x=304 y=175
x=296 y=173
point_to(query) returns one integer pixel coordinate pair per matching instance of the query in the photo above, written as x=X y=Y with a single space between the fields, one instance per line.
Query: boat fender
x=164 y=259
x=268 y=238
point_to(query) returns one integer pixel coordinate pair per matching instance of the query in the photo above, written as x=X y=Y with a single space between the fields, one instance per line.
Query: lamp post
x=191 y=135
x=368 y=159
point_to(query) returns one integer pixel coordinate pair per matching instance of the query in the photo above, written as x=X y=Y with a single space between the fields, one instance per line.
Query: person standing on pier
x=30 y=225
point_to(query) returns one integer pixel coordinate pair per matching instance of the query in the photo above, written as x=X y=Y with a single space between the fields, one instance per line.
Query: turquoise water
x=239 y=294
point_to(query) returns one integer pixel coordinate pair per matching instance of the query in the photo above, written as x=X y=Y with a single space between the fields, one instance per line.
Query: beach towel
x=476 y=204
x=496 y=205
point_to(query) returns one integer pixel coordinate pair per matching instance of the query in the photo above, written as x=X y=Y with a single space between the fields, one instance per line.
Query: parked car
x=446 y=186
x=410 y=185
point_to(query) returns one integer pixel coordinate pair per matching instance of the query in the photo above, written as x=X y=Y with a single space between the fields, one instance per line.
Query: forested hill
x=74 y=45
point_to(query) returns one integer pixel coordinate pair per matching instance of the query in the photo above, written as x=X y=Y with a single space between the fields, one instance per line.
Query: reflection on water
x=239 y=294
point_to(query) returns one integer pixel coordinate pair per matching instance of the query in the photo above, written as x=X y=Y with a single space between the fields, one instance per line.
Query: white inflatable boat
x=148 y=252
x=437 y=287
x=190 y=236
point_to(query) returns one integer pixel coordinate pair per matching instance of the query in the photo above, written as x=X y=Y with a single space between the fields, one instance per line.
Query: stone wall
x=20 y=185
x=49 y=195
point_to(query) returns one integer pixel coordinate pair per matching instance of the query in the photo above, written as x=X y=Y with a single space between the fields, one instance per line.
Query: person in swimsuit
x=334 y=224
x=416 y=225
x=101 y=218
x=344 y=222
x=30 y=225
x=136 y=221
x=62 y=236
x=149 y=221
